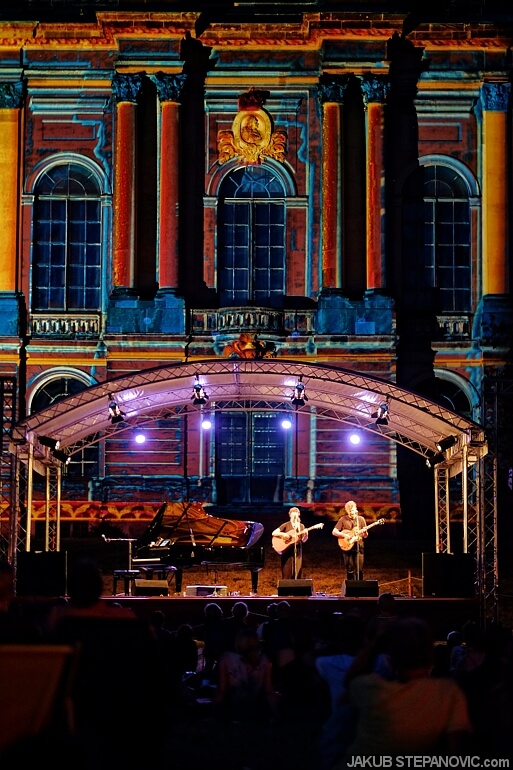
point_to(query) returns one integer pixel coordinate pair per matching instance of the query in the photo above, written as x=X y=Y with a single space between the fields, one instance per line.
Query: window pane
x=241 y=236
x=461 y=299
x=462 y=233
x=461 y=257
x=445 y=256
x=240 y=279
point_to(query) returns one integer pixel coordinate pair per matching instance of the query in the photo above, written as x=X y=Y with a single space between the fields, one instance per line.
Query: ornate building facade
x=321 y=184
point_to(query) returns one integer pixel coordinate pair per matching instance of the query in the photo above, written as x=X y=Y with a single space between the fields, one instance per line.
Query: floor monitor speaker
x=299 y=587
x=41 y=573
x=151 y=588
x=361 y=588
x=448 y=575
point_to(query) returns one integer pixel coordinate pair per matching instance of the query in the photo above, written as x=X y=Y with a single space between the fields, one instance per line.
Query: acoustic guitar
x=347 y=542
x=281 y=544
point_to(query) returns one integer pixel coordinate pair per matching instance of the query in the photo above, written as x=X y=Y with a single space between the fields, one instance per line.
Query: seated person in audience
x=212 y=635
x=245 y=690
x=413 y=712
x=237 y=620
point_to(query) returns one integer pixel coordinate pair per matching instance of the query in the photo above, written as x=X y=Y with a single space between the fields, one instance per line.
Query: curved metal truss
x=353 y=398
x=350 y=397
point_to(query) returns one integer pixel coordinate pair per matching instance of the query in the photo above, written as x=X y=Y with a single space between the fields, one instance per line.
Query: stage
x=444 y=614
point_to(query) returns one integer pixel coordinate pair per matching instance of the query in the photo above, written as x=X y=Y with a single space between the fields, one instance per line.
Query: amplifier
x=151 y=588
x=206 y=590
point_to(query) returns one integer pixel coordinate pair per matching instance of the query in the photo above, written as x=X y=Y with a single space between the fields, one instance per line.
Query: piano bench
x=126 y=575
x=158 y=572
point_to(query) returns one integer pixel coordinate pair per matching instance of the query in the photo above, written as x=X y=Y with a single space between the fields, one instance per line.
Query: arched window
x=446 y=393
x=66 y=270
x=251 y=238
x=85 y=463
x=437 y=237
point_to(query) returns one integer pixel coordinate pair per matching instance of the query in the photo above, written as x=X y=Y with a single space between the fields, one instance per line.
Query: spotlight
x=49 y=442
x=61 y=456
x=286 y=423
x=199 y=396
x=446 y=443
x=115 y=413
x=206 y=423
x=435 y=460
x=299 y=395
x=381 y=416
x=355 y=438
x=139 y=437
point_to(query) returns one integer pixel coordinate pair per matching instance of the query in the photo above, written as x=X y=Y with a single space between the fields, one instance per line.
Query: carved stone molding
x=495 y=96
x=11 y=95
x=332 y=88
x=126 y=88
x=169 y=87
x=374 y=88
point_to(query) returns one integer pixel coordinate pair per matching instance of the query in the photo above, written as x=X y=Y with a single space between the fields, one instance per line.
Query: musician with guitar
x=351 y=531
x=288 y=541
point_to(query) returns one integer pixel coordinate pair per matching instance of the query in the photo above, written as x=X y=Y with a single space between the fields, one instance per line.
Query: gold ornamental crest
x=252 y=137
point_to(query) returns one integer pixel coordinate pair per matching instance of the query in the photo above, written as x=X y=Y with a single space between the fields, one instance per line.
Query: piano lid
x=188 y=522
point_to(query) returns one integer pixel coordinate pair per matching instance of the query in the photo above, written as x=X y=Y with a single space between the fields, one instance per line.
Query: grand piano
x=183 y=534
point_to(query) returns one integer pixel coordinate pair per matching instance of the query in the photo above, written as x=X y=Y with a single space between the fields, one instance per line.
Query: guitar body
x=281 y=544
x=347 y=542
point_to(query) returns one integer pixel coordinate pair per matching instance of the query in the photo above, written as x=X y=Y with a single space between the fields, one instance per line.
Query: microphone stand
x=296 y=541
x=357 y=528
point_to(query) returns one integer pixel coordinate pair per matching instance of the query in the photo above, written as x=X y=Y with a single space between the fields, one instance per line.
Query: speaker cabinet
x=151 y=588
x=361 y=588
x=299 y=587
x=41 y=573
x=448 y=575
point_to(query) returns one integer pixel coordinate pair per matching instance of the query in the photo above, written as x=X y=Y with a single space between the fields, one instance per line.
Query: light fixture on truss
x=115 y=413
x=199 y=396
x=299 y=396
x=446 y=443
x=381 y=415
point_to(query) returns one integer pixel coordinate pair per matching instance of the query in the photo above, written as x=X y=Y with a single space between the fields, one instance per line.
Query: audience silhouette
x=276 y=690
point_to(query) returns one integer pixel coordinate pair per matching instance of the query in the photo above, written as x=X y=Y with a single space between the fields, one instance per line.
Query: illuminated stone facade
x=175 y=183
